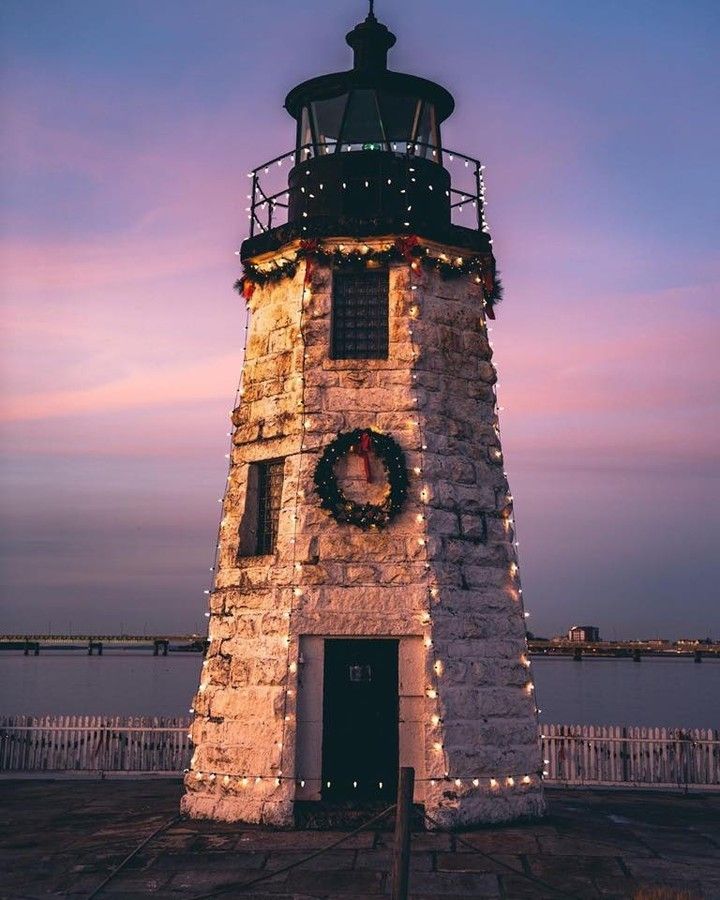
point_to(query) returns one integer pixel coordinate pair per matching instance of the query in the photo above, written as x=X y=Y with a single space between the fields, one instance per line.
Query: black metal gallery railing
x=269 y=196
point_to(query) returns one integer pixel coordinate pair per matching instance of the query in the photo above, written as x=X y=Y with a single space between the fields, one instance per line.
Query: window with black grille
x=360 y=314
x=259 y=525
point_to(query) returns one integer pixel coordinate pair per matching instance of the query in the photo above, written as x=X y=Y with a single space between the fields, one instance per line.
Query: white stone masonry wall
x=445 y=569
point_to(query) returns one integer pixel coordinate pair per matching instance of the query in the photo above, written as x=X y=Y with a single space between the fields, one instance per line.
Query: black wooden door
x=360 y=719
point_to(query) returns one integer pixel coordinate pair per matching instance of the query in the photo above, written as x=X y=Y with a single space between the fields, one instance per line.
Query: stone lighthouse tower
x=366 y=612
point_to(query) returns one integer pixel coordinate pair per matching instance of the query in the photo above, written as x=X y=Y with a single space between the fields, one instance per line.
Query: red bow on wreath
x=364 y=448
x=406 y=245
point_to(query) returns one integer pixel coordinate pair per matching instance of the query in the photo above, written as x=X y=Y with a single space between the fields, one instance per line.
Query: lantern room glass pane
x=328 y=116
x=368 y=119
x=398 y=114
x=427 y=132
x=363 y=125
x=305 y=134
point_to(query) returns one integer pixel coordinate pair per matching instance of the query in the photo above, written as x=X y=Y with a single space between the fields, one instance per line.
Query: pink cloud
x=183 y=383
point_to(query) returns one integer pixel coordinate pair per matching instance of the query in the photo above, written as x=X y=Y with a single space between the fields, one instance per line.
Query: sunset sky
x=128 y=127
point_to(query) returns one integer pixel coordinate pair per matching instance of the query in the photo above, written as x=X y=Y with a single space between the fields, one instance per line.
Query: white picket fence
x=631 y=755
x=94 y=744
x=573 y=754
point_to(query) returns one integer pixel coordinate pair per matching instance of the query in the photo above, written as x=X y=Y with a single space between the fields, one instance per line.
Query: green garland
x=346 y=511
x=404 y=249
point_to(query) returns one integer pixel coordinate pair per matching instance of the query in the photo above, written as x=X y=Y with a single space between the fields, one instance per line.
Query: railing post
x=253 y=194
x=401 y=847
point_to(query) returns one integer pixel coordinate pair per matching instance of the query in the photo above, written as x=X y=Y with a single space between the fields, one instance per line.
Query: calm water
x=673 y=692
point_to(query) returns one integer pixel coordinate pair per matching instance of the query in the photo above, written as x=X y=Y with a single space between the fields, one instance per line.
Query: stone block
x=240 y=671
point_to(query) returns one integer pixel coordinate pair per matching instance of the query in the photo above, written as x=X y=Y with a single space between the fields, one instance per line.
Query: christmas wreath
x=332 y=498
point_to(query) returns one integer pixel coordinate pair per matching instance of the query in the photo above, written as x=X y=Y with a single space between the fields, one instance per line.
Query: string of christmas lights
x=246 y=780
x=435 y=669
x=412 y=150
x=508 y=519
x=297 y=593
x=208 y=592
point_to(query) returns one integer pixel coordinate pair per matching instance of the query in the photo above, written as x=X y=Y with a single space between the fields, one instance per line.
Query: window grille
x=360 y=314
x=269 y=496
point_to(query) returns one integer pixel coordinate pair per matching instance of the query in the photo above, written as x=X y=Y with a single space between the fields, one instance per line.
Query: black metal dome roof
x=370 y=41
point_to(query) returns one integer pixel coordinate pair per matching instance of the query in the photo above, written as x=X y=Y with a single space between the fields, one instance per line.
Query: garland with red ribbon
x=405 y=249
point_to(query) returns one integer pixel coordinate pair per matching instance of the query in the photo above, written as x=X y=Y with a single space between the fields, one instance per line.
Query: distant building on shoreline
x=583 y=634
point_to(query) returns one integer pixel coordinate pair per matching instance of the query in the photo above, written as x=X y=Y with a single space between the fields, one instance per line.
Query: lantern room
x=369 y=108
x=368 y=159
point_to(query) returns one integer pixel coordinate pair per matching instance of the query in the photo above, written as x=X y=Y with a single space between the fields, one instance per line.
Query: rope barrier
x=266 y=876
x=240 y=886
x=556 y=890
x=134 y=853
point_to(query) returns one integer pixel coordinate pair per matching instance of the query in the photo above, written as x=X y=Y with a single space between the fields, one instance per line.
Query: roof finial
x=371 y=41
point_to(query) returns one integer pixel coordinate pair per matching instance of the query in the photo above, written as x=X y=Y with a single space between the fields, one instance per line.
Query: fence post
x=401 y=848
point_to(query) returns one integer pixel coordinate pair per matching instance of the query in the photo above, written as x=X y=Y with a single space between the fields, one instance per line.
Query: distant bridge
x=634 y=650
x=31 y=644
x=160 y=644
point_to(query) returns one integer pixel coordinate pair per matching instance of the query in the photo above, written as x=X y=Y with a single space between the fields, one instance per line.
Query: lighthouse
x=366 y=611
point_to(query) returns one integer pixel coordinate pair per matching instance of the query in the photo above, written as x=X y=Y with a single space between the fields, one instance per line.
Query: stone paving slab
x=62 y=838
